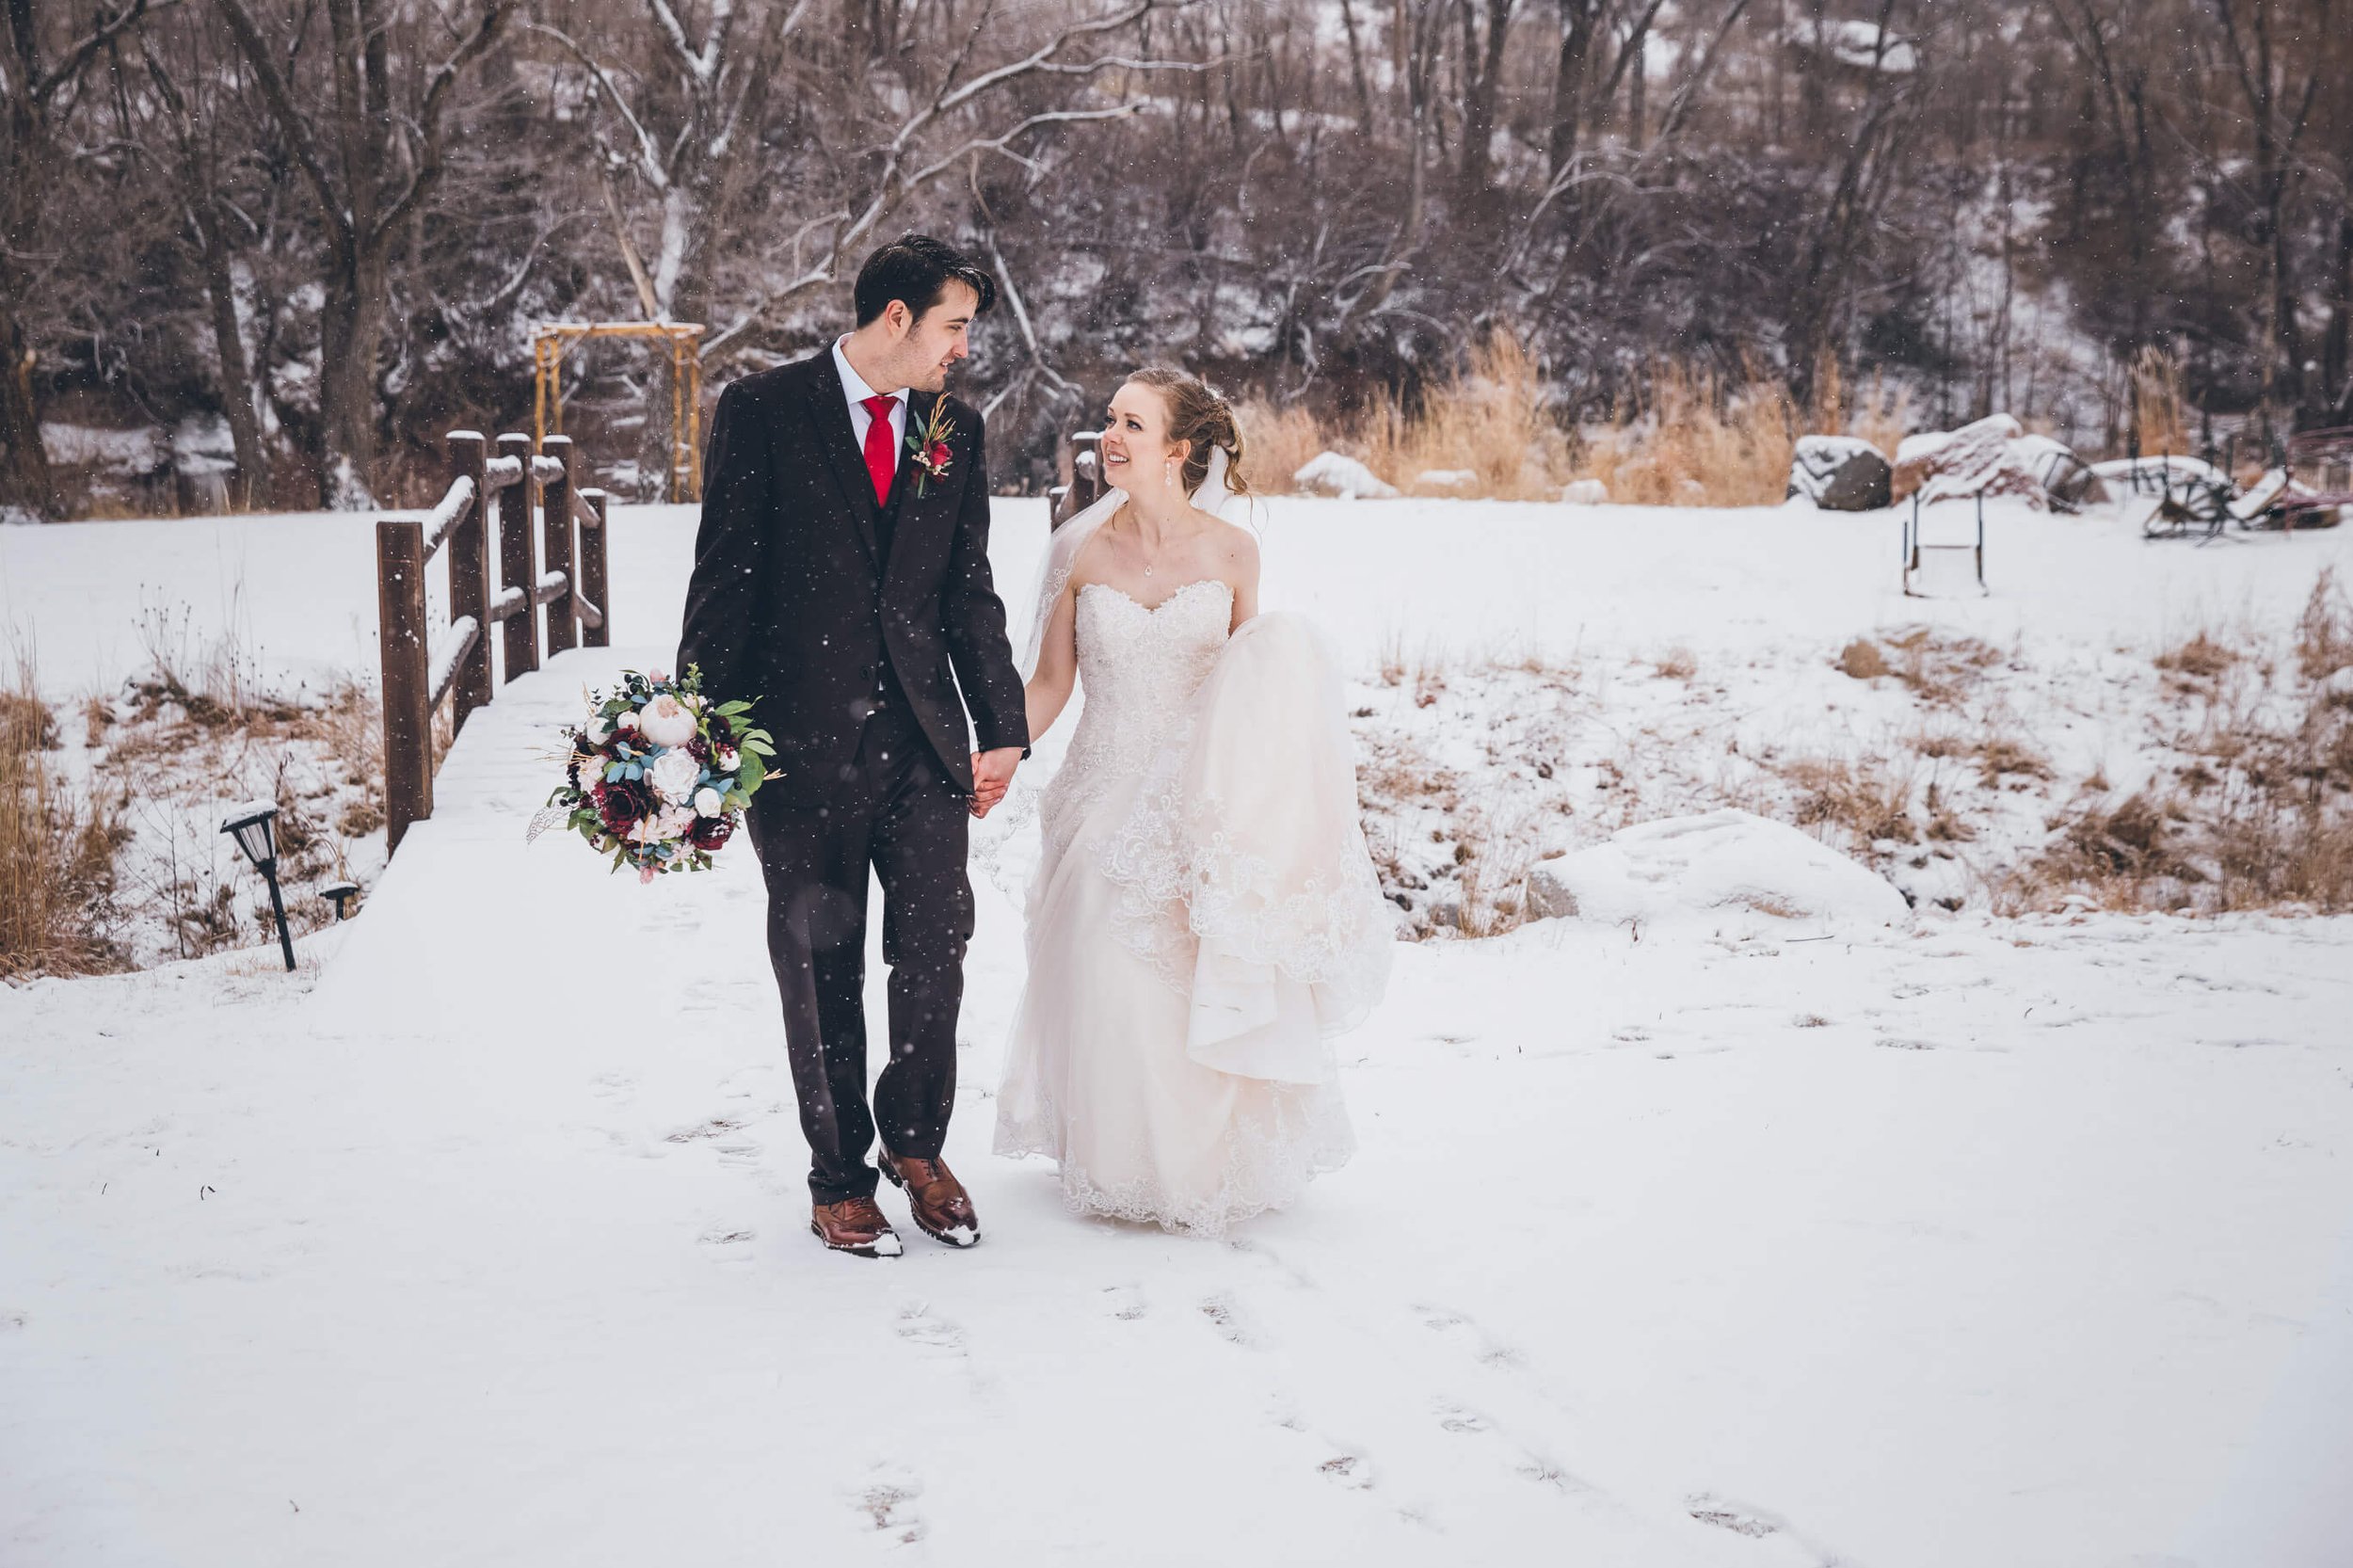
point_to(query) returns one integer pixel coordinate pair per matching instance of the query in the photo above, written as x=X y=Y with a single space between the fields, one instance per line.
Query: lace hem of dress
x=1263 y=1169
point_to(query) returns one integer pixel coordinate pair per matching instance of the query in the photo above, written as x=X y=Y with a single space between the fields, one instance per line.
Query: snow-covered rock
x=1976 y=459
x=1335 y=473
x=1720 y=863
x=1549 y=897
x=1585 y=492
x=1839 y=473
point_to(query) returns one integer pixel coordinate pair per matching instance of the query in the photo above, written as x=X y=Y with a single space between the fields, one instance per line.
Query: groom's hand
x=992 y=774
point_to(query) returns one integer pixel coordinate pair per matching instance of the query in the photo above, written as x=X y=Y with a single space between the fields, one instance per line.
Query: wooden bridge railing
x=1083 y=483
x=569 y=578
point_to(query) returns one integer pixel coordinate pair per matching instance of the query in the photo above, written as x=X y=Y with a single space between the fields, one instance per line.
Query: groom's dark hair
x=917 y=269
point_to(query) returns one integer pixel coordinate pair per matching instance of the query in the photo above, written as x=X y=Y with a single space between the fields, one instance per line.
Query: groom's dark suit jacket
x=810 y=598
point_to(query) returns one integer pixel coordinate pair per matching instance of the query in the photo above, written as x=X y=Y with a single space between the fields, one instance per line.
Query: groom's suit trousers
x=898 y=813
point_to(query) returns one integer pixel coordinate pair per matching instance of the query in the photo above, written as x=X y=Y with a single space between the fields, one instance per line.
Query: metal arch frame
x=552 y=340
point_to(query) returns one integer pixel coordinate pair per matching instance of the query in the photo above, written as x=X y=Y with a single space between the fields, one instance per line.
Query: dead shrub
x=1865 y=799
x=57 y=849
x=2158 y=402
x=1940 y=668
x=2200 y=658
x=2001 y=757
x=1490 y=420
x=2324 y=632
x=1863 y=660
x=1692 y=440
x=1676 y=664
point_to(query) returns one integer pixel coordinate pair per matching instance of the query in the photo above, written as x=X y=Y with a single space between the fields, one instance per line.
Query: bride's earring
x=1168 y=472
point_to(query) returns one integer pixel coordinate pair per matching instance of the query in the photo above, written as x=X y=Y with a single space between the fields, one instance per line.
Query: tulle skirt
x=1197 y=930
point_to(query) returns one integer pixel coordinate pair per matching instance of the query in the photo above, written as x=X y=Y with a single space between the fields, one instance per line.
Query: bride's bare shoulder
x=1236 y=547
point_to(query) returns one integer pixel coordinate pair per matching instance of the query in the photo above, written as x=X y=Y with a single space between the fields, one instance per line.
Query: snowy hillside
x=1748 y=1217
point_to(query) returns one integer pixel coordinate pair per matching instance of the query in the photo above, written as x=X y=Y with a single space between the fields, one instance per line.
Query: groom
x=841 y=575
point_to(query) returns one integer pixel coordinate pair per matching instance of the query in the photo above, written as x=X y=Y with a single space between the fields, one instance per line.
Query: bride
x=1204 y=913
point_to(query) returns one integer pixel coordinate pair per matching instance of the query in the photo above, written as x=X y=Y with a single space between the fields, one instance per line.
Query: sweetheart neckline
x=1178 y=593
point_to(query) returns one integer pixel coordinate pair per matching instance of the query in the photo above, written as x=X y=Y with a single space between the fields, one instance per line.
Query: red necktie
x=882 y=447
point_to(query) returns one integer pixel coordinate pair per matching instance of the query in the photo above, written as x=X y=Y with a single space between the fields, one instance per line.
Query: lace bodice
x=1138 y=670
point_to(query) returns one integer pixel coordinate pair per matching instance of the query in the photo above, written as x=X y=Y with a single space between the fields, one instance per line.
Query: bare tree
x=372 y=153
x=2262 y=45
x=35 y=99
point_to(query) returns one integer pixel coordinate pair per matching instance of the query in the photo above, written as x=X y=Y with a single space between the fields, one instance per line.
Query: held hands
x=992 y=774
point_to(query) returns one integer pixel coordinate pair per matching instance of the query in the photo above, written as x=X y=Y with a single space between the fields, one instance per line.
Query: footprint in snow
x=1452 y=1326
x=919 y=1325
x=1258 y=1249
x=1462 y=1418
x=1348 y=1470
x=1124 y=1301
x=716 y=1126
x=1757 y=1524
x=1225 y=1318
x=886 y=1497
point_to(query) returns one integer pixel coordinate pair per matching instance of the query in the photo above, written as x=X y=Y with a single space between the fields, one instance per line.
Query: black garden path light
x=254 y=825
x=340 y=894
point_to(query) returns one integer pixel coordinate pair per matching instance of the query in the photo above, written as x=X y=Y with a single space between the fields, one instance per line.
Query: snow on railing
x=449 y=514
x=560 y=565
x=454 y=645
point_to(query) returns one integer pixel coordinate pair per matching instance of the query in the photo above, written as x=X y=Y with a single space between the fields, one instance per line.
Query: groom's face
x=934 y=341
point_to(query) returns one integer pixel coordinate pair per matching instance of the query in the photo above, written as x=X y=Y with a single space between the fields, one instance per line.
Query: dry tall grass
x=1693 y=440
x=1489 y=421
x=2159 y=405
x=57 y=849
x=1690 y=438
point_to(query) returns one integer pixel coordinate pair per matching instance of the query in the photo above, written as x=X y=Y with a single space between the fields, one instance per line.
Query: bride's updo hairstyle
x=1200 y=418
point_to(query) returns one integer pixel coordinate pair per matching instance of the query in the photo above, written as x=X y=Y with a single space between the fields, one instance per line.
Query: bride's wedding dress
x=1203 y=914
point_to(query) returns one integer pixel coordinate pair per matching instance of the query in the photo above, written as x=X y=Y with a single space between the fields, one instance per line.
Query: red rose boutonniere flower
x=930 y=446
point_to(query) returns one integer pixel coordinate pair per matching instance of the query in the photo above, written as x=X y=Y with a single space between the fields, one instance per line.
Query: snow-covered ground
x=1717 y=1238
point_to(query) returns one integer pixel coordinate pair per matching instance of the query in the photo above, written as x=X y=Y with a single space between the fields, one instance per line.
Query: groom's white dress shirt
x=854 y=386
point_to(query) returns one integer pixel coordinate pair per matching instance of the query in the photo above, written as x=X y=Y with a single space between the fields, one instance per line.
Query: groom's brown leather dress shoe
x=854 y=1225
x=937 y=1200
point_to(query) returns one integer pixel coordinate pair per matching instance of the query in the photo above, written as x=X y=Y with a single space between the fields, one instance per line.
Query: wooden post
x=469 y=548
x=515 y=560
x=1086 y=470
x=407 y=692
x=555 y=544
x=593 y=584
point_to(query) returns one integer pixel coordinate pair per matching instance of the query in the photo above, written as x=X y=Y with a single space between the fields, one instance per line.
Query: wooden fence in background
x=565 y=573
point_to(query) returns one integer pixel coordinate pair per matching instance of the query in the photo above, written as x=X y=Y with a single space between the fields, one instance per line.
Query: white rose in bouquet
x=676 y=820
x=709 y=802
x=724 y=758
x=673 y=773
x=667 y=722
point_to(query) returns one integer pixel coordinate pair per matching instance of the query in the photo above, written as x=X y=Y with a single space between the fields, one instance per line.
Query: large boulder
x=1957 y=464
x=1840 y=473
x=1721 y=867
x=1336 y=473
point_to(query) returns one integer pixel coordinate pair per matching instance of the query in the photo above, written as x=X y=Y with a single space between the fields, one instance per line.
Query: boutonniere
x=930 y=446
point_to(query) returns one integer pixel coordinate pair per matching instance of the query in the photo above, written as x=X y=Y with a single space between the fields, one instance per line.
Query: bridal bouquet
x=657 y=776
